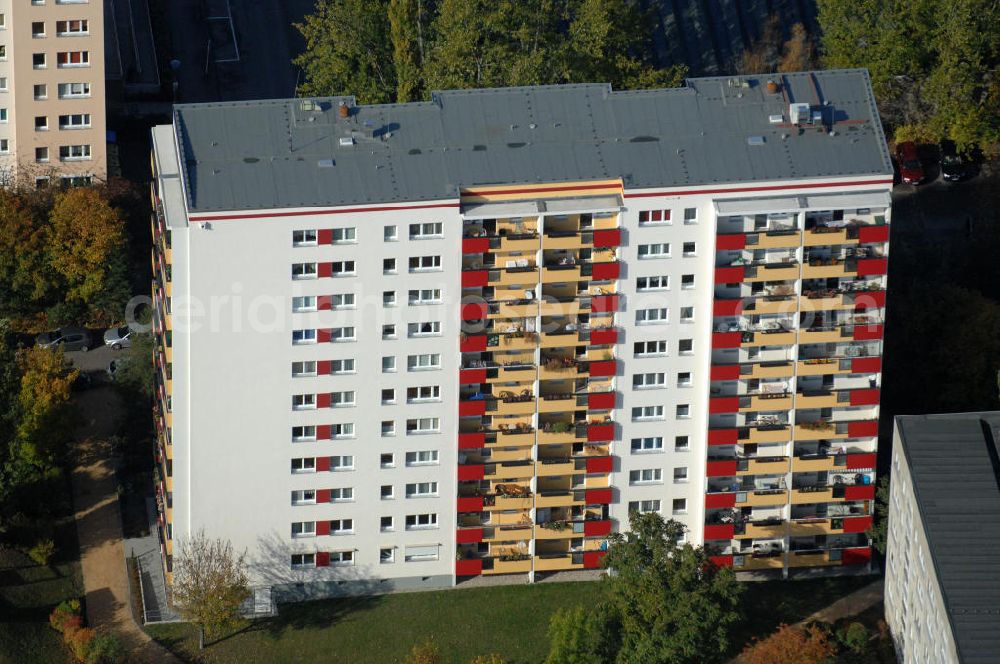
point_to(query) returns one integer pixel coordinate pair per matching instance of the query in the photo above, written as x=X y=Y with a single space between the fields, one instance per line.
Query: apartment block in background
x=52 y=113
x=941 y=591
x=403 y=346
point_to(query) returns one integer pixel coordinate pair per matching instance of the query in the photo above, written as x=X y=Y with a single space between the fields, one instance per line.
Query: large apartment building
x=404 y=345
x=941 y=593
x=52 y=114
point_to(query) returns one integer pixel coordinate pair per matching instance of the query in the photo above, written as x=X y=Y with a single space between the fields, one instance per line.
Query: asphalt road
x=95 y=360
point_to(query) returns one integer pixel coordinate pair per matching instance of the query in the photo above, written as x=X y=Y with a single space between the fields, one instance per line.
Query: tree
x=210 y=583
x=25 y=280
x=406 y=27
x=577 y=636
x=880 y=524
x=789 y=644
x=85 y=239
x=135 y=373
x=761 y=56
x=797 y=53
x=492 y=658
x=425 y=652
x=671 y=602
x=45 y=416
x=348 y=51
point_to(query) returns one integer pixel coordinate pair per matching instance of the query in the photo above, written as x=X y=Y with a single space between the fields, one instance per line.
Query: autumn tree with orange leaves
x=791 y=644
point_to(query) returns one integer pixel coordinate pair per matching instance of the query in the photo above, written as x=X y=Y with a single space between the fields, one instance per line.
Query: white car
x=118 y=337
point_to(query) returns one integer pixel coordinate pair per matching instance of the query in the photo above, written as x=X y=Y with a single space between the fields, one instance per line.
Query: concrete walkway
x=98 y=524
x=851 y=605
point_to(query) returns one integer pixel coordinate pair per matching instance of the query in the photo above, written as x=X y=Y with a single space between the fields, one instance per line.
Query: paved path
x=851 y=605
x=98 y=524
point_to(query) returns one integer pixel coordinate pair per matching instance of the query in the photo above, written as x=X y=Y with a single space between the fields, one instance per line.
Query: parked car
x=910 y=167
x=70 y=338
x=118 y=337
x=952 y=164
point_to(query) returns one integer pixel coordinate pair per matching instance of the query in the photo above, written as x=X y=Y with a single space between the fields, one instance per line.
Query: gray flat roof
x=301 y=153
x=955 y=472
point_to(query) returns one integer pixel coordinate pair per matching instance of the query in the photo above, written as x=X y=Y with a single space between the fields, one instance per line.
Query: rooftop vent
x=777 y=118
x=325 y=163
x=773 y=87
x=342 y=110
x=310 y=106
x=755 y=140
x=346 y=141
x=799 y=113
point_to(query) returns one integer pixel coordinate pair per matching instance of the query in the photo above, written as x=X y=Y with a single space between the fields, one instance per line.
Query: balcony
x=561 y=338
x=555 y=467
x=764 y=529
x=564 y=306
x=770 y=304
x=764 y=433
x=510 y=565
x=519 y=275
x=826 y=300
x=776 y=369
x=783 y=271
x=823 y=334
x=762 y=466
x=812 y=494
x=823 y=366
x=558 y=499
x=829 y=268
x=518 y=242
x=759 y=561
x=765 y=498
x=828 y=235
x=560 y=368
x=516 y=435
x=513 y=309
x=765 y=402
x=515 y=405
x=567 y=240
x=813 y=559
x=552 y=562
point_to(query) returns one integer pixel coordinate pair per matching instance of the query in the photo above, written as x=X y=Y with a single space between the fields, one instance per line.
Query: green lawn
x=511 y=620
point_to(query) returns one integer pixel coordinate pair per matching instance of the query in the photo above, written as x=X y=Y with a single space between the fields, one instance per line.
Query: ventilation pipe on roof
x=772 y=87
x=342 y=110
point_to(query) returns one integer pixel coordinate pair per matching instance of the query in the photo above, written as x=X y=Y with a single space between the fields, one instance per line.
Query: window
x=73 y=90
x=303 y=401
x=306 y=238
x=647 y=413
x=345 y=430
x=648 y=444
x=389 y=234
x=342 y=334
x=650 y=348
x=652 y=283
x=685 y=346
x=428 y=329
x=645 y=381
x=690 y=249
x=342 y=366
x=424 y=263
x=343 y=399
x=414 y=521
x=304 y=433
x=388 y=396
x=37 y=59
x=341 y=463
x=680 y=506
x=690 y=215
x=41 y=123
x=687 y=314
x=682 y=444
x=42 y=154
x=645 y=476
x=649 y=217
x=388 y=364
x=420 y=489
x=386 y=492
x=37 y=29
x=303 y=336
x=304 y=529
x=341 y=558
x=389 y=331
x=423 y=425
x=303 y=560
x=40 y=91
x=644 y=506
x=425 y=296
x=70 y=28
x=3 y=84
x=387 y=460
x=684 y=379
x=385 y=524
x=82 y=181
x=426 y=230
x=344 y=235
x=304 y=465
x=388 y=298
x=342 y=268
x=304 y=303
x=416 y=554
x=303 y=368
x=423 y=393
x=660 y=250
x=687 y=281
x=423 y=362
x=73 y=58
x=342 y=301
x=683 y=411
x=303 y=270
x=680 y=474
x=388 y=266
x=304 y=497
x=422 y=458
x=341 y=526
x=386 y=555
x=651 y=316
x=388 y=428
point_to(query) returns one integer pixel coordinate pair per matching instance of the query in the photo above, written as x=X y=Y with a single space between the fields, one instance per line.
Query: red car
x=910 y=168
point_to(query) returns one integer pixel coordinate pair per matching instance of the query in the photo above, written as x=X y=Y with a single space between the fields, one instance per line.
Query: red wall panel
x=720 y=468
x=862 y=429
x=323 y=335
x=468 y=535
x=720 y=531
x=322 y=528
x=604 y=303
x=603 y=368
x=471 y=441
x=722 y=436
x=600 y=401
x=324 y=302
x=607 y=238
x=473 y=344
x=872 y=266
x=475 y=245
x=322 y=432
x=471 y=408
x=472 y=567
x=474 y=311
x=324 y=236
x=604 y=337
x=597 y=496
x=323 y=400
x=727 y=339
x=869 y=300
x=474 y=278
x=324 y=270
x=856 y=556
x=723 y=405
x=472 y=376
x=725 y=372
x=472 y=472
x=859 y=492
x=596 y=528
x=729 y=275
x=865 y=397
x=858 y=461
x=323 y=367
x=469 y=504
x=592 y=559
x=605 y=271
x=866 y=365
x=597 y=433
x=600 y=464
x=727 y=307
x=730 y=242
x=858 y=524
x=323 y=495
x=870 y=234
x=323 y=465
x=865 y=332
x=322 y=559
x=722 y=561
x=720 y=500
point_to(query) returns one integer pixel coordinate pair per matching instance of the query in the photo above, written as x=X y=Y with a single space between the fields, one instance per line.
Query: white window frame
x=427 y=521
x=654 y=316
x=306 y=465
x=660 y=282
x=343 y=269
x=343 y=366
x=422 y=458
x=641 y=476
x=427 y=230
x=430 y=263
x=302 y=271
x=420 y=426
x=418 y=296
x=652 y=380
x=660 y=348
x=304 y=497
x=347 y=235
x=647 y=413
x=423 y=362
x=416 y=330
x=434 y=392
x=305 y=368
x=653 y=251
x=303 y=402
x=342 y=463
x=303 y=337
x=427 y=489
x=647 y=445
x=303 y=303
x=304 y=528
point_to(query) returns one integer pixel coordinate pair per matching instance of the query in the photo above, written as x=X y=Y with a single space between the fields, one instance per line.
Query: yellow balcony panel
x=601 y=223
x=554 y=562
x=552 y=533
x=513 y=277
x=516 y=342
x=170 y=552
x=811 y=527
x=514 y=454
x=168 y=288
x=821 y=367
x=761 y=562
x=838 y=269
x=516 y=407
x=765 y=467
x=560 y=373
x=168 y=480
x=769 y=370
x=509 y=566
x=557 y=405
x=832 y=303
x=168 y=417
x=812 y=465
x=510 y=503
x=776 y=241
x=557 y=499
x=808 y=496
x=518 y=244
x=828 y=236
x=816 y=432
x=574 y=241
x=769 y=339
x=504 y=310
x=597 y=481
x=765 y=305
x=762 y=403
x=559 y=339
x=820 y=336
x=547 y=469
x=549 y=308
x=556 y=438
x=514 y=374
x=517 y=531
x=508 y=472
x=513 y=440
x=552 y=275
x=757 y=435
x=765 y=498
x=783 y=273
x=768 y=531
x=168 y=321
x=814 y=559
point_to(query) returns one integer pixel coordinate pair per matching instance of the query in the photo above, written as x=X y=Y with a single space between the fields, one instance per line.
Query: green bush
x=66 y=614
x=105 y=648
x=856 y=637
x=42 y=551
